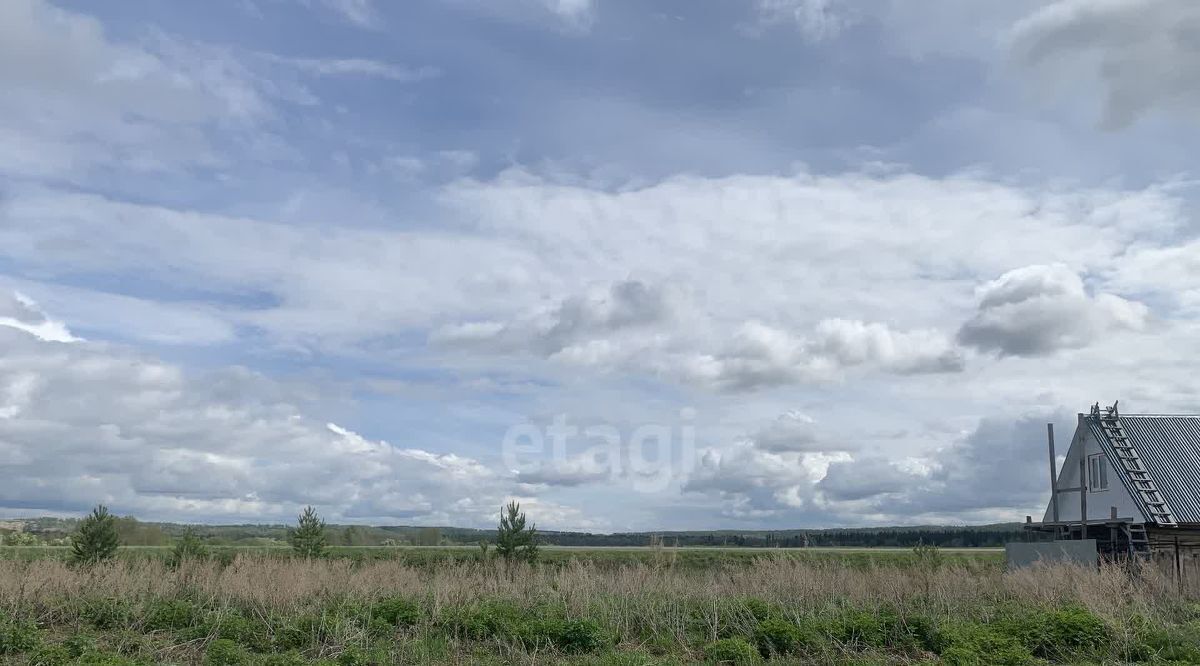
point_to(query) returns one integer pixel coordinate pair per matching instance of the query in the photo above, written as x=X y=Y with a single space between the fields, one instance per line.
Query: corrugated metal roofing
x=1169 y=447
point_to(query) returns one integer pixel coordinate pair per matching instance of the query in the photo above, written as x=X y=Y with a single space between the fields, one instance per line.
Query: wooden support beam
x=1053 y=474
x=1082 y=496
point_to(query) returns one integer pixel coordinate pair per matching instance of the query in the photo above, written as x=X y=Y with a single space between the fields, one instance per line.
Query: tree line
x=98 y=536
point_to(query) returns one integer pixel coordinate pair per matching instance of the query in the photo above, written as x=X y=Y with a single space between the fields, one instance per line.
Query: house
x=1129 y=481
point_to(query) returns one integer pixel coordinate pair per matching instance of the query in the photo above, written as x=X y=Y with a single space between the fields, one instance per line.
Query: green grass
x=195 y=629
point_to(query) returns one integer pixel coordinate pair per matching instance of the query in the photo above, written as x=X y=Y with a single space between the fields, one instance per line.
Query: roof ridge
x=1152 y=415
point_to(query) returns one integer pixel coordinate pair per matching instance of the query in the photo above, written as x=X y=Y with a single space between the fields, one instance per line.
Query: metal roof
x=1169 y=447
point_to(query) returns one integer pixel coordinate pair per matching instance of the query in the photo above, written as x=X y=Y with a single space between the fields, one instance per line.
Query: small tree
x=189 y=547
x=96 y=538
x=428 y=536
x=308 y=537
x=515 y=541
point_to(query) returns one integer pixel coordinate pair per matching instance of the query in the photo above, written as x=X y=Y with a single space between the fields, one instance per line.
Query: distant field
x=687 y=557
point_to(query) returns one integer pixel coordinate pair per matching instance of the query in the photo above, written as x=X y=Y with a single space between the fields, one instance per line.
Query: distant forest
x=134 y=532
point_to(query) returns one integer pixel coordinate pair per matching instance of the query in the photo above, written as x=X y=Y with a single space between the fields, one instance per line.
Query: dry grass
x=648 y=608
x=288 y=586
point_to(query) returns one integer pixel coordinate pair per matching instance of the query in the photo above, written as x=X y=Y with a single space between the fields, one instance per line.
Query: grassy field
x=797 y=607
x=689 y=557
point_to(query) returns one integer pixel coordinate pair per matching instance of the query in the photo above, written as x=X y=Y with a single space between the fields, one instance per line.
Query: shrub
x=299 y=632
x=96 y=538
x=756 y=608
x=498 y=620
x=17 y=635
x=224 y=652
x=980 y=645
x=578 y=636
x=860 y=628
x=1056 y=632
x=231 y=624
x=1159 y=644
x=777 y=636
x=731 y=651
x=397 y=611
x=172 y=615
x=107 y=613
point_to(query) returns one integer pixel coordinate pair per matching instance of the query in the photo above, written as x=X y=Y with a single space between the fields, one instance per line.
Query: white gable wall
x=1099 y=502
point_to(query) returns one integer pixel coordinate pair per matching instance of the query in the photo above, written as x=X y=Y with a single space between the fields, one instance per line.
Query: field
x=588 y=606
x=688 y=557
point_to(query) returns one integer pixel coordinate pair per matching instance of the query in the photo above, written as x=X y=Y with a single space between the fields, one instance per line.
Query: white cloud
x=1170 y=274
x=88 y=422
x=1037 y=310
x=762 y=355
x=356 y=67
x=75 y=99
x=792 y=431
x=361 y=13
x=569 y=325
x=817 y=20
x=21 y=312
x=579 y=13
x=740 y=282
x=1142 y=53
x=757 y=483
x=868 y=477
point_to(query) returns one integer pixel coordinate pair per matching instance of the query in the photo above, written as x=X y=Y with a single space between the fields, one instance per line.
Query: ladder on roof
x=1153 y=502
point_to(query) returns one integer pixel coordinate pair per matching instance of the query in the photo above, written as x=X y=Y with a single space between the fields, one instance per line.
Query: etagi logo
x=650 y=456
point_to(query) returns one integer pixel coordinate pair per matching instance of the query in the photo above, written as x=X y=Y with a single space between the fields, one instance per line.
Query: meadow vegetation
x=257 y=609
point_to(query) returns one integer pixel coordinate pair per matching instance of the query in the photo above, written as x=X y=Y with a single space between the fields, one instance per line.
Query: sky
x=637 y=264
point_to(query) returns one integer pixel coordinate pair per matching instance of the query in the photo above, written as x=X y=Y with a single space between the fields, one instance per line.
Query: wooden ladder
x=1152 y=500
x=1139 y=541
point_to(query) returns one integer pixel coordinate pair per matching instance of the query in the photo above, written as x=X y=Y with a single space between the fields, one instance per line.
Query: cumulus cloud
x=792 y=431
x=1037 y=310
x=1143 y=53
x=994 y=472
x=87 y=422
x=989 y=473
x=577 y=471
x=868 y=477
x=761 y=355
x=570 y=325
x=758 y=482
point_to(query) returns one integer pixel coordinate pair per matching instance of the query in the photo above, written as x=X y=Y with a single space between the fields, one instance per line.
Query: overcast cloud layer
x=782 y=263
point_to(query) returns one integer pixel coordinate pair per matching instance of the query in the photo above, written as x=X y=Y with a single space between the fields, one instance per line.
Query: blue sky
x=779 y=263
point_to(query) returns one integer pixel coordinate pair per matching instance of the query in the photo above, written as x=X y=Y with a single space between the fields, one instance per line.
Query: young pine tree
x=189 y=547
x=515 y=541
x=96 y=538
x=308 y=537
